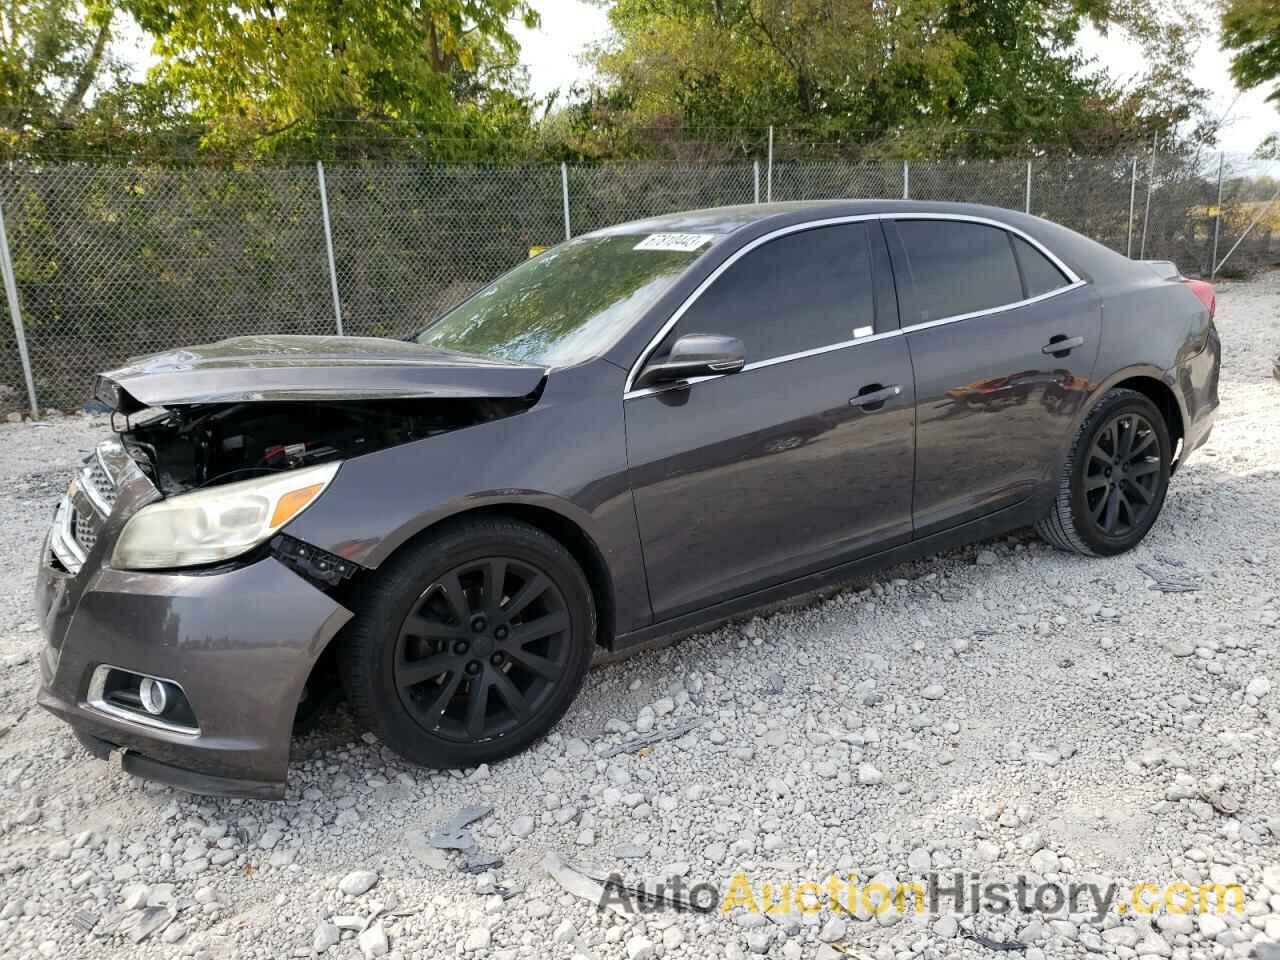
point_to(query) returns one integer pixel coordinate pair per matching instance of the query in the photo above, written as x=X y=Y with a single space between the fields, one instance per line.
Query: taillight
x=1204 y=293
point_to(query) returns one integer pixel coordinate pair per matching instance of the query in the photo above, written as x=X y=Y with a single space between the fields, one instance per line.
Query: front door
x=752 y=478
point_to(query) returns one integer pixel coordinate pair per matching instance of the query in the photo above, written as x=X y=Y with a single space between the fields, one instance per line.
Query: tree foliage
x=916 y=73
x=51 y=54
x=441 y=79
x=1251 y=28
x=261 y=69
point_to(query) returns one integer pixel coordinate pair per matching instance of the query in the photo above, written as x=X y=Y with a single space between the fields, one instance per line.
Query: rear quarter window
x=1039 y=275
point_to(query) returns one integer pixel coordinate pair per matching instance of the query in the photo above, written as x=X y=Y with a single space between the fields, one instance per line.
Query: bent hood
x=309 y=368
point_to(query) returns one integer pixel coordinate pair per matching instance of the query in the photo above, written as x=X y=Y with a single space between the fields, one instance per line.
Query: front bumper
x=241 y=642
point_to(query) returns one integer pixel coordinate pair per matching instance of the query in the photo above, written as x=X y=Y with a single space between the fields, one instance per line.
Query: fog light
x=138 y=698
x=153 y=696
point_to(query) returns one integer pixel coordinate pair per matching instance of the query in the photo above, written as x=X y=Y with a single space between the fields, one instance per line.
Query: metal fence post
x=1027 y=208
x=1133 y=193
x=1146 y=214
x=15 y=311
x=755 y=164
x=1217 y=221
x=906 y=180
x=564 y=195
x=328 y=245
x=768 y=190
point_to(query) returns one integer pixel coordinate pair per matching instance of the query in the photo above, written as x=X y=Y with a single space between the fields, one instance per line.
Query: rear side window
x=958 y=267
x=1039 y=275
x=798 y=292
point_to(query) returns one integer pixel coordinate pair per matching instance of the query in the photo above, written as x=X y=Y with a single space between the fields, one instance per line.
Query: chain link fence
x=107 y=263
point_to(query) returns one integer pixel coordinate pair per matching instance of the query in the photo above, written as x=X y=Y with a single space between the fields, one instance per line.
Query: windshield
x=568 y=304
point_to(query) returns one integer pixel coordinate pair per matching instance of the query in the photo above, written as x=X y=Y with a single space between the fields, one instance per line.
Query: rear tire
x=1114 y=481
x=470 y=644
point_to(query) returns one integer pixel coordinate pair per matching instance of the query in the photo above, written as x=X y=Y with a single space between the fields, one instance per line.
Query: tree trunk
x=88 y=73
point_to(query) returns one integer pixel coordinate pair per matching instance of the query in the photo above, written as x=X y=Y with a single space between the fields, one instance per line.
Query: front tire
x=470 y=644
x=1115 y=478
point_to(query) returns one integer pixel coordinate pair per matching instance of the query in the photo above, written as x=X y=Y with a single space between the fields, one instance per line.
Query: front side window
x=799 y=292
x=569 y=304
x=958 y=268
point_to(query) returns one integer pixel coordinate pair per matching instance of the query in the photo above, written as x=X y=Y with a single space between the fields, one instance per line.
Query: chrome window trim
x=96 y=699
x=1072 y=277
x=1074 y=282
x=772 y=361
x=943 y=321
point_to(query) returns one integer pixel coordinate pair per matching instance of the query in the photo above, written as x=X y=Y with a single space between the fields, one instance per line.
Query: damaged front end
x=248 y=431
x=186 y=447
x=190 y=452
x=169 y=577
x=252 y=406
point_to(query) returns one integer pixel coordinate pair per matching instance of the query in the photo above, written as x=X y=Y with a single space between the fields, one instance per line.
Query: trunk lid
x=302 y=368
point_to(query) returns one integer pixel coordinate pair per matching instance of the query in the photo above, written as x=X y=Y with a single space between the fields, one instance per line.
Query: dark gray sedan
x=640 y=432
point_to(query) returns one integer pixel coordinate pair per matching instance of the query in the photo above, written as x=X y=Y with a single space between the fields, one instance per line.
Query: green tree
x=52 y=52
x=1251 y=28
x=267 y=72
x=919 y=75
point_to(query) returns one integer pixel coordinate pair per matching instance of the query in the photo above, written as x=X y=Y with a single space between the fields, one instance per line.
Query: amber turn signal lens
x=294 y=501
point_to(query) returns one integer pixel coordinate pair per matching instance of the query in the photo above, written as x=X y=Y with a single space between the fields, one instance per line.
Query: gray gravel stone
x=357 y=882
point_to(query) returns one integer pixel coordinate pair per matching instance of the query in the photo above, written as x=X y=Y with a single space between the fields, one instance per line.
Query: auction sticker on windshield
x=687 y=242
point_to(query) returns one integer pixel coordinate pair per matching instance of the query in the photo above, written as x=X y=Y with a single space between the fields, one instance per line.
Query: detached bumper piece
x=191 y=781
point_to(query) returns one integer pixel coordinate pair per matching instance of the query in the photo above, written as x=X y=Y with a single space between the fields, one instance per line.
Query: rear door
x=749 y=479
x=1003 y=341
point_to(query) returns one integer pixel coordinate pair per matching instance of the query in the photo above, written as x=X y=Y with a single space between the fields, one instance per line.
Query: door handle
x=1061 y=345
x=873 y=396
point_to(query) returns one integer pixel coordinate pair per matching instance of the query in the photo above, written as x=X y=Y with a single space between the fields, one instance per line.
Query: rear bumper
x=1197 y=379
x=240 y=643
x=1198 y=431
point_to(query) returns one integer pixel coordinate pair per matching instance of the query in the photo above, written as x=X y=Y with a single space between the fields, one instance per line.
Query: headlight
x=206 y=526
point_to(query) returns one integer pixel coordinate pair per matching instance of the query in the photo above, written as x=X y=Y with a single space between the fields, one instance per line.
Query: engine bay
x=202 y=445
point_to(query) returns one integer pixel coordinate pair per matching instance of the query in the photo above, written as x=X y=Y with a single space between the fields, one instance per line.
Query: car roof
x=725 y=220
x=1085 y=256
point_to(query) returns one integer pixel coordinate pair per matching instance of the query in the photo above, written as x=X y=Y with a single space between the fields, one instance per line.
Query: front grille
x=67 y=553
x=83 y=513
x=95 y=475
x=86 y=532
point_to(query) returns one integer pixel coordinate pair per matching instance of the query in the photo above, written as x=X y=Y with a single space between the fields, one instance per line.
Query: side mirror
x=695 y=355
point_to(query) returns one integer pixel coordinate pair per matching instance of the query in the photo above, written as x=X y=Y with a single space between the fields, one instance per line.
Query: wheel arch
x=1156 y=386
x=1166 y=401
x=565 y=530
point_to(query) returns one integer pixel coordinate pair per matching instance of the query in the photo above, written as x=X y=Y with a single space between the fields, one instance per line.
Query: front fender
x=566 y=454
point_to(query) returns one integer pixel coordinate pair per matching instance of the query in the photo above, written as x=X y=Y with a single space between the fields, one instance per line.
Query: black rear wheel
x=1114 y=480
x=471 y=644
x=1122 y=475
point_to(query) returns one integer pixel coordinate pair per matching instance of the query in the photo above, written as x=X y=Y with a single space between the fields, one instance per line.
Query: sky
x=552 y=54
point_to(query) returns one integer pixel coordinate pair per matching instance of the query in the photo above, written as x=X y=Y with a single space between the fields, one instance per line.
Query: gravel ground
x=1003 y=710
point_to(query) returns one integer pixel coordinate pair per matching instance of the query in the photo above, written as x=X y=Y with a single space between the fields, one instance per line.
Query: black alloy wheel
x=1114 y=478
x=469 y=643
x=482 y=649
x=1122 y=473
